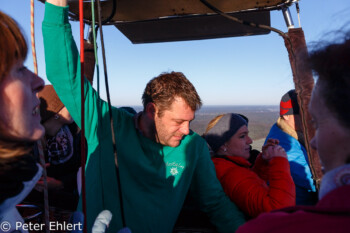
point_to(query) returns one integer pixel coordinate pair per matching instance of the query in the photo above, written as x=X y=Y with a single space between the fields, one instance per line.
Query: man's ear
x=285 y=117
x=151 y=110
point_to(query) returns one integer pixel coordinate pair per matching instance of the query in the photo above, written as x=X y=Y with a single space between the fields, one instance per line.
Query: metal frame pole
x=287 y=17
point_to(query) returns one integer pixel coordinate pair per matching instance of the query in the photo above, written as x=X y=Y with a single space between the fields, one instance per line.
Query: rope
x=39 y=143
x=298 y=11
x=211 y=7
x=110 y=116
x=284 y=35
x=297 y=82
x=32 y=36
x=82 y=141
x=95 y=28
x=95 y=47
x=114 y=7
x=46 y=195
x=74 y=17
x=295 y=73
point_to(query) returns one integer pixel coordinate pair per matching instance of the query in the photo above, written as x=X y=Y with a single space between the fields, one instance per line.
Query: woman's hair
x=331 y=63
x=13 y=48
x=222 y=127
x=212 y=123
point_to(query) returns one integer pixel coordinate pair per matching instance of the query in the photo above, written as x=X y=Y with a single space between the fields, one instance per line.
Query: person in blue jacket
x=288 y=130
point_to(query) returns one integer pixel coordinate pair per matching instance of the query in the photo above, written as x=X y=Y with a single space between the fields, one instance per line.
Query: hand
x=274 y=151
x=270 y=142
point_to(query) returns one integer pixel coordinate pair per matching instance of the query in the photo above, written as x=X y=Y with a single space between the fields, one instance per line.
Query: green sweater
x=154 y=178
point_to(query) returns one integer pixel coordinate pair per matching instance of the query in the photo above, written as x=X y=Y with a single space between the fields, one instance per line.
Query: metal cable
x=211 y=7
x=298 y=12
x=284 y=35
x=94 y=30
x=111 y=116
x=73 y=17
x=293 y=55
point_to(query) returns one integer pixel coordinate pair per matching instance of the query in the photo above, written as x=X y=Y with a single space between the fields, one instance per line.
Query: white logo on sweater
x=174 y=171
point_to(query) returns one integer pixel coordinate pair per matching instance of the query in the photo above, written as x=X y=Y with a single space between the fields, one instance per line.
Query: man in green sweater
x=160 y=159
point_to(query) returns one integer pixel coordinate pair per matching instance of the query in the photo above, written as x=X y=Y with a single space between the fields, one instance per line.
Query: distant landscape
x=261 y=118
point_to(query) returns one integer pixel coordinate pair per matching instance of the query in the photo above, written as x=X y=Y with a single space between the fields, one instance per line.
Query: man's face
x=174 y=123
x=294 y=121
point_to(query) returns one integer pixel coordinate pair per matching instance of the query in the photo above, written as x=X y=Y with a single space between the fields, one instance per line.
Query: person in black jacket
x=61 y=147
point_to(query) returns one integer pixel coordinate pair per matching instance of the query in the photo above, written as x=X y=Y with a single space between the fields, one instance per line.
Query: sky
x=251 y=70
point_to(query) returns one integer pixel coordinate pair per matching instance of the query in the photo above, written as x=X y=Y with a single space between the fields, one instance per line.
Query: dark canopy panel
x=147 y=21
x=139 y=10
x=193 y=27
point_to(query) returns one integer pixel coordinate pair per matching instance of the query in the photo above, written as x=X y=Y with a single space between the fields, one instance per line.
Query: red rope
x=83 y=147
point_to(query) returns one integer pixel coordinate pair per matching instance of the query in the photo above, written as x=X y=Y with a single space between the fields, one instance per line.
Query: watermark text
x=53 y=226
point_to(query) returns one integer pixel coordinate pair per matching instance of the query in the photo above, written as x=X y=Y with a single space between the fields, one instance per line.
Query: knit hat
x=50 y=104
x=289 y=104
x=224 y=129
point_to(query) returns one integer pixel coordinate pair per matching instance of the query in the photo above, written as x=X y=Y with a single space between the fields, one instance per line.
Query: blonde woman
x=266 y=186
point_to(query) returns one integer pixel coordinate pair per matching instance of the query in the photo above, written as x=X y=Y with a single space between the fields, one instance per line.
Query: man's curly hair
x=163 y=89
